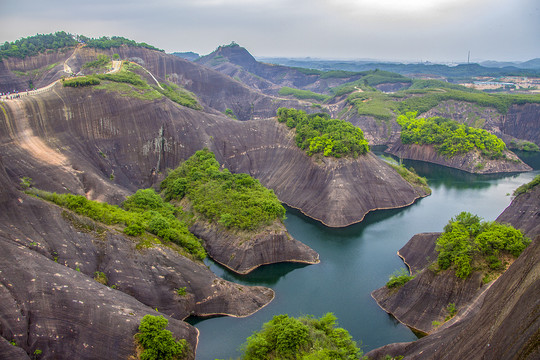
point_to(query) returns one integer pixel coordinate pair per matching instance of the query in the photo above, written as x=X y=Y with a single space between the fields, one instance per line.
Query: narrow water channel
x=357 y=260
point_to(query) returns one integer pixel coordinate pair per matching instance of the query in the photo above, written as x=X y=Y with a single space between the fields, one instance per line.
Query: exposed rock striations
x=472 y=161
x=243 y=252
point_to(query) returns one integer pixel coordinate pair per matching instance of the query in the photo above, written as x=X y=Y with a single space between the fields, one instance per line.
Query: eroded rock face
x=424 y=299
x=524 y=213
x=503 y=314
x=243 y=252
x=502 y=325
x=471 y=162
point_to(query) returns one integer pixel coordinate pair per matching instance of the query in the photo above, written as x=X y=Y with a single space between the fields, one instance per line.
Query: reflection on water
x=355 y=261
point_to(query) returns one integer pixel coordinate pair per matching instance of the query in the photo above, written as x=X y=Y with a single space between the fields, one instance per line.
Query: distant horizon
x=438 y=31
x=299 y=58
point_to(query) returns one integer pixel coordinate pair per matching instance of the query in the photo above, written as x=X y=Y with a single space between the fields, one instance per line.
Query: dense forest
x=317 y=133
x=33 y=45
x=106 y=42
x=448 y=136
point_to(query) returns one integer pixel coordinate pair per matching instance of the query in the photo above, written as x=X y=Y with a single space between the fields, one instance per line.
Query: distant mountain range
x=434 y=70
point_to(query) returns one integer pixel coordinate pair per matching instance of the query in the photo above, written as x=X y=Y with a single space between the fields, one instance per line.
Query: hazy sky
x=413 y=30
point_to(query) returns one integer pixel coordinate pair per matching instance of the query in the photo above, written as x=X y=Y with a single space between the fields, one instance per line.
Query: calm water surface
x=357 y=260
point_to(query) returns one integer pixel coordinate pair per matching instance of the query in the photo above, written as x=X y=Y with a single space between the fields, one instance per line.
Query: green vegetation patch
x=449 y=137
x=431 y=97
x=524 y=145
x=303 y=94
x=317 y=133
x=106 y=42
x=301 y=338
x=179 y=95
x=145 y=211
x=81 y=81
x=157 y=342
x=100 y=63
x=368 y=80
x=232 y=200
x=373 y=103
x=527 y=187
x=468 y=244
x=399 y=278
x=33 y=45
x=409 y=174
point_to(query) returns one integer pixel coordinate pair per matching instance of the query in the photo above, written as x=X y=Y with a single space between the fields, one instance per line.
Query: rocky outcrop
x=503 y=324
x=486 y=313
x=216 y=91
x=337 y=192
x=523 y=122
x=38 y=71
x=243 y=251
x=424 y=299
x=235 y=61
x=75 y=139
x=51 y=301
x=472 y=161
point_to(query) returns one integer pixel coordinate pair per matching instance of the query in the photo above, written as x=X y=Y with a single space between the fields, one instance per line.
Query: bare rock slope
x=471 y=162
x=51 y=302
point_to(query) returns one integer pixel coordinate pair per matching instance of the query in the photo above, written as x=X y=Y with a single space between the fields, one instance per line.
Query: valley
x=132 y=113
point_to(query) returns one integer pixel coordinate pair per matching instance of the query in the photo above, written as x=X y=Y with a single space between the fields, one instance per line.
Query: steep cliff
x=499 y=320
x=520 y=122
x=524 y=212
x=502 y=324
x=472 y=161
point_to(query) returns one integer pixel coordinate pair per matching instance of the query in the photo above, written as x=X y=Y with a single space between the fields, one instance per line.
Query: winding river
x=357 y=260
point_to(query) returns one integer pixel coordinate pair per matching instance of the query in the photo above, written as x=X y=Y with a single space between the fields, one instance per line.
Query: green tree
x=466 y=238
x=306 y=337
x=157 y=342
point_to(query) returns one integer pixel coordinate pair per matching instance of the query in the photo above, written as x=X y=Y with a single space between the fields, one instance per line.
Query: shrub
x=466 y=237
x=101 y=62
x=101 y=278
x=144 y=211
x=286 y=337
x=527 y=187
x=157 y=342
x=399 y=278
x=81 y=81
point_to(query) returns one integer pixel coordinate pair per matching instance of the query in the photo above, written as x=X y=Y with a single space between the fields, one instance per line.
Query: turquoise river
x=357 y=260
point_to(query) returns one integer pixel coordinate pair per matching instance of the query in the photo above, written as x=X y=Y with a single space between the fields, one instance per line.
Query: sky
x=392 y=30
